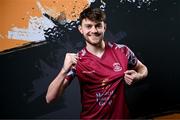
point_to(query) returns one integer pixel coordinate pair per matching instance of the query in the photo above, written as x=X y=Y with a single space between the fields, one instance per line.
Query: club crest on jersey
x=117 y=67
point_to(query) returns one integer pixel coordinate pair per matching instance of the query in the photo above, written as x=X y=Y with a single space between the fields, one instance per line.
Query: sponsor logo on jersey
x=104 y=97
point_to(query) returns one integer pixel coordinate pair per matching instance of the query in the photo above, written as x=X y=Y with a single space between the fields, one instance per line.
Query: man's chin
x=96 y=43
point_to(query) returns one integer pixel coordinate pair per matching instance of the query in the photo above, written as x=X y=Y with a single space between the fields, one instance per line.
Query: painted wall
x=36 y=34
x=24 y=21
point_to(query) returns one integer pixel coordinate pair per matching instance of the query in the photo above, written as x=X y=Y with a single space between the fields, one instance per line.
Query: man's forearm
x=142 y=70
x=56 y=88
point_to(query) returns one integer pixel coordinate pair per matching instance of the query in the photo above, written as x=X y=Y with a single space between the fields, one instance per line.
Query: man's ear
x=80 y=29
x=105 y=26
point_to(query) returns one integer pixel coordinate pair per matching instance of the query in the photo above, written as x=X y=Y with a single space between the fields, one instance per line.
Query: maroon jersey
x=101 y=81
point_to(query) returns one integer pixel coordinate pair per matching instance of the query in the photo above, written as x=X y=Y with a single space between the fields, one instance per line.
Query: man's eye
x=99 y=26
x=88 y=26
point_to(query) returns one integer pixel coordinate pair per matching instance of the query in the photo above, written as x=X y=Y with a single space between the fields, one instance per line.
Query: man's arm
x=58 y=85
x=139 y=72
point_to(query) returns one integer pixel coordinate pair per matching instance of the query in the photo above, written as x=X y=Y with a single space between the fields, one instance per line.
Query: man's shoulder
x=116 y=45
x=82 y=52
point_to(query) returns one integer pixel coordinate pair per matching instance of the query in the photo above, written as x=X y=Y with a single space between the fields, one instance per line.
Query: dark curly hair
x=94 y=14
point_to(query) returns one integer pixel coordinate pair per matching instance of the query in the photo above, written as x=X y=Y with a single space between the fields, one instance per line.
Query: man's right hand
x=58 y=85
x=69 y=61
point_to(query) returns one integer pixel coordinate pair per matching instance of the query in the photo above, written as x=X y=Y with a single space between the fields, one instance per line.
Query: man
x=103 y=68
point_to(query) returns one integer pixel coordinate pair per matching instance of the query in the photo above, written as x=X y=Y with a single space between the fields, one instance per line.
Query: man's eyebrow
x=87 y=24
x=99 y=23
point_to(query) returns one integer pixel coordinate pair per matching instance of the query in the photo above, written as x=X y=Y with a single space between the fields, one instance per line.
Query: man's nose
x=94 y=29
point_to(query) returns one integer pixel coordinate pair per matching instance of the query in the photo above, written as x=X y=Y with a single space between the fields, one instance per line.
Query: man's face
x=92 y=31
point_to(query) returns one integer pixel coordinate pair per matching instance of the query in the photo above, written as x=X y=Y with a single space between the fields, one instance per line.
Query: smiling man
x=102 y=68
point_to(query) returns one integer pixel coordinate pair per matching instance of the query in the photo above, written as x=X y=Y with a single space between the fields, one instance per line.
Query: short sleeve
x=71 y=75
x=132 y=59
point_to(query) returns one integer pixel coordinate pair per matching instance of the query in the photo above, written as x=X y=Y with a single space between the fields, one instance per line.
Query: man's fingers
x=128 y=81
x=128 y=76
x=70 y=60
x=129 y=72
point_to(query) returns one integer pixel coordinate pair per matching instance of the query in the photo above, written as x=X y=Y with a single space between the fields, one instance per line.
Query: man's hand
x=139 y=72
x=69 y=61
x=131 y=76
x=58 y=85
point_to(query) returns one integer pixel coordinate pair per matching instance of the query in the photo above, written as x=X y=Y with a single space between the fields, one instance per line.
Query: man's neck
x=96 y=50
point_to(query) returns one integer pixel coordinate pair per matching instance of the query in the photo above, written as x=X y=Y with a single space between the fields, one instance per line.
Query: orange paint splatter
x=8 y=44
x=16 y=13
x=70 y=8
